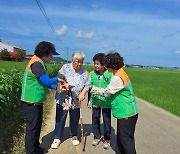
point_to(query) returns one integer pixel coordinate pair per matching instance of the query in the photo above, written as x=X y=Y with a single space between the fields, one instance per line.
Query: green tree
x=20 y=55
x=4 y=53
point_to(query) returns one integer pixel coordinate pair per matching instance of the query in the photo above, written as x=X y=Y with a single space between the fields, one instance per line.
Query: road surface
x=157 y=132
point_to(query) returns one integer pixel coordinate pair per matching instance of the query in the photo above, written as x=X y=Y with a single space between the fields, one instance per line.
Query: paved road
x=157 y=132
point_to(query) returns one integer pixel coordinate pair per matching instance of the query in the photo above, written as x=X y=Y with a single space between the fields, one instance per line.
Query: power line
x=48 y=20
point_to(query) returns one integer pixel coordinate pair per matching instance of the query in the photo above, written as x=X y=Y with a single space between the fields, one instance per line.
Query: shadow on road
x=48 y=138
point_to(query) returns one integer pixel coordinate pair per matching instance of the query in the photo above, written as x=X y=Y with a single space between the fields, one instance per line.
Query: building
x=13 y=50
x=10 y=48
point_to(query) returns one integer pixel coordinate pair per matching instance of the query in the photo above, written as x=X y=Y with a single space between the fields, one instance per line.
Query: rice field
x=160 y=87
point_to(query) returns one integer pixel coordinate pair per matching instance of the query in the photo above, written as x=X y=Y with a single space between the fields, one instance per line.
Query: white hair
x=78 y=55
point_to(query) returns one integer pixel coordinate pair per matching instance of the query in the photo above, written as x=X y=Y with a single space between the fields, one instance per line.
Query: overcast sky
x=144 y=32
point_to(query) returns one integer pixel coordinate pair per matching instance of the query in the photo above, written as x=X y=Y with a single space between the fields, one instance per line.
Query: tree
x=4 y=53
x=20 y=55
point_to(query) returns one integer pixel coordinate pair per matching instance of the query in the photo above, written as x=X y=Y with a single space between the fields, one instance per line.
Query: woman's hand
x=81 y=97
x=62 y=88
x=61 y=80
x=94 y=89
x=67 y=86
x=89 y=105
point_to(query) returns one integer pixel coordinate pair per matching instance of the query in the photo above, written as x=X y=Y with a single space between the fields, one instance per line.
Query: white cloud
x=109 y=47
x=99 y=37
x=63 y=30
x=89 y=35
x=85 y=35
x=177 y=52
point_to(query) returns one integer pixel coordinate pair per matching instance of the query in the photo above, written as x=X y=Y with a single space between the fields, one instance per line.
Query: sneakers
x=75 y=140
x=106 y=144
x=96 y=142
x=55 y=144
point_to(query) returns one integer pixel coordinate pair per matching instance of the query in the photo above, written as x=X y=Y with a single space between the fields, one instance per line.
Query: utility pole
x=67 y=50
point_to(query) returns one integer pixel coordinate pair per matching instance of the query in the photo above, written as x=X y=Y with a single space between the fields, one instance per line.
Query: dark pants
x=125 y=135
x=33 y=114
x=61 y=119
x=96 y=115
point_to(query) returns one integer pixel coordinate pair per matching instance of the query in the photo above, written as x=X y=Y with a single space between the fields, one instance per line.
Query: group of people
x=109 y=90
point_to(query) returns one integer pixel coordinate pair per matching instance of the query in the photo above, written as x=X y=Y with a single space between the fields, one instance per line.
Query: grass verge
x=12 y=132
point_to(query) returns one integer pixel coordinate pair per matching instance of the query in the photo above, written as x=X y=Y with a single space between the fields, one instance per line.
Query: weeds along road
x=157 y=132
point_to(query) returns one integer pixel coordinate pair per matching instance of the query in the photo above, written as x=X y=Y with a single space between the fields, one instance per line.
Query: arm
x=87 y=83
x=53 y=86
x=39 y=71
x=82 y=95
x=89 y=102
x=89 y=95
x=114 y=86
x=61 y=76
x=61 y=73
x=85 y=89
x=45 y=80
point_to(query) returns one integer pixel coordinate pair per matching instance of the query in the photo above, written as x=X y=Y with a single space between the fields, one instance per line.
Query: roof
x=13 y=53
x=11 y=45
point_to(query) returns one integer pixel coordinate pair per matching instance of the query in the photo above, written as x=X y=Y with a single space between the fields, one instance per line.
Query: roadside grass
x=12 y=134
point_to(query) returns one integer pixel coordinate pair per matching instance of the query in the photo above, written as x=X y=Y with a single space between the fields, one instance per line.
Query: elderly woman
x=68 y=101
x=123 y=103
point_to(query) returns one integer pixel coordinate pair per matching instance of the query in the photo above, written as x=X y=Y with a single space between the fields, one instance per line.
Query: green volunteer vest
x=124 y=102
x=100 y=101
x=33 y=90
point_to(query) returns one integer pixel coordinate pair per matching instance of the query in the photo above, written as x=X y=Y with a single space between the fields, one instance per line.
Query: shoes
x=39 y=150
x=55 y=144
x=96 y=142
x=106 y=144
x=75 y=140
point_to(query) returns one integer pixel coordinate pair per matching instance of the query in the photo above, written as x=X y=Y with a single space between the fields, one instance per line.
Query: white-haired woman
x=78 y=78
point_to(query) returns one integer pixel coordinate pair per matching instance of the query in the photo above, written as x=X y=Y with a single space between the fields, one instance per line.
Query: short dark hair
x=114 y=61
x=100 y=57
x=44 y=49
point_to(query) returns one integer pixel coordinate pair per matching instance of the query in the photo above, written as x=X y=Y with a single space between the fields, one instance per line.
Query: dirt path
x=158 y=132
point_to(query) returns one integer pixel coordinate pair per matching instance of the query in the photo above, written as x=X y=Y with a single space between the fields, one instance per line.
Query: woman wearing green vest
x=123 y=103
x=34 y=89
x=100 y=77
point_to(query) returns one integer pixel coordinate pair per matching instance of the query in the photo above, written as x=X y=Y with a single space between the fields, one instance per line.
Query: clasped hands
x=94 y=89
x=64 y=86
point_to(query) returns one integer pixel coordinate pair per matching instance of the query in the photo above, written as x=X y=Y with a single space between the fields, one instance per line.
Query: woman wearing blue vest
x=100 y=77
x=123 y=103
x=34 y=89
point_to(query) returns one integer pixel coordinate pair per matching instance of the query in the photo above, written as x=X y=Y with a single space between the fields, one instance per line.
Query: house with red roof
x=13 y=50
